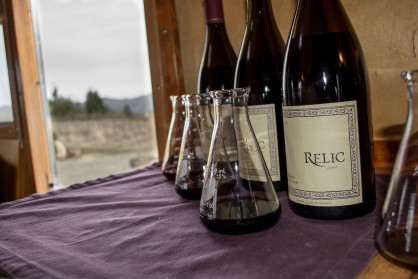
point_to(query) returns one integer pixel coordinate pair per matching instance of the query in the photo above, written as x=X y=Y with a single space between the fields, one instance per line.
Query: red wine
x=189 y=193
x=327 y=115
x=170 y=168
x=259 y=67
x=218 y=60
x=245 y=225
x=190 y=179
x=170 y=173
x=233 y=205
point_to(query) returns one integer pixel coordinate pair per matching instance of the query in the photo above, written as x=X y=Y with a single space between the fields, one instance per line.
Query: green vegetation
x=127 y=111
x=94 y=104
x=93 y=108
x=65 y=108
x=62 y=107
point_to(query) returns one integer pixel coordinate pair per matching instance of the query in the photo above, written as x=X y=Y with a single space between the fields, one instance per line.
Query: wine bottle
x=259 y=67
x=327 y=115
x=218 y=61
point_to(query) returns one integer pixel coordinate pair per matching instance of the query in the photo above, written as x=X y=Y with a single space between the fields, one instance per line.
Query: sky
x=94 y=45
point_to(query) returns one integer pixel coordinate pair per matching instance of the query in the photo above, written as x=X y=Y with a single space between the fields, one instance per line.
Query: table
x=134 y=225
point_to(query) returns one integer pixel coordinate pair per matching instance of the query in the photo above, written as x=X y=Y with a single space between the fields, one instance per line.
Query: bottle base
x=170 y=174
x=399 y=247
x=280 y=186
x=406 y=263
x=191 y=194
x=331 y=213
x=241 y=227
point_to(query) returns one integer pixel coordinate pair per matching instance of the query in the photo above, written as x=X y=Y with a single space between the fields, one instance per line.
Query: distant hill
x=138 y=106
x=142 y=105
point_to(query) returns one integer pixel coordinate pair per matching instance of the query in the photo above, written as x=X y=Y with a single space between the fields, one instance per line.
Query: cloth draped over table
x=134 y=225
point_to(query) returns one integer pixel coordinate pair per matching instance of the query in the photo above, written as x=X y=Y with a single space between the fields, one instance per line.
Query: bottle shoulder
x=218 y=50
x=325 y=68
x=218 y=61
x=323 y=16
x=262 y=39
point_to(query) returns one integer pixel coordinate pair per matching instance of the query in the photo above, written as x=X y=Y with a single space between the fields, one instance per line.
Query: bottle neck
x=214 y=11
x=215 y=29
x=259 y=8
x=215 y=25
x=260 y=17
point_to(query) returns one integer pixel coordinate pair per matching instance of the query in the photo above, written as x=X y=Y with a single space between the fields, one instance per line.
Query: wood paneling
x=16 y=179
x=385 y=155
x=387 y=30
x=191 y=22
x=381 y=268
x=388 y=33
x=16 y=172
x=165 y=63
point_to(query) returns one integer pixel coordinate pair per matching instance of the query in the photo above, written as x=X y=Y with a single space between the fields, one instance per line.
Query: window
x=98 y=86
x=6 y=112
x=7 y=117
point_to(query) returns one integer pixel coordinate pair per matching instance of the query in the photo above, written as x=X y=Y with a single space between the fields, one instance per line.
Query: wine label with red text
x=263 y=122
x=323 y=157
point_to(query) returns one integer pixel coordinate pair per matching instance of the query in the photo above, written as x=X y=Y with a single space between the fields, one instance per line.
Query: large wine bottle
x=327 y=115
x=218 y=61
x=259 y=67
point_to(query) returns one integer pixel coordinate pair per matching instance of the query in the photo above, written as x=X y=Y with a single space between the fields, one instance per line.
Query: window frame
x=9 y=130
x=29 y=123
x=165 y=63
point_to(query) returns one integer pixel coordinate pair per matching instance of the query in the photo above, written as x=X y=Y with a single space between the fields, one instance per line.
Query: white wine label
x=263 y=121
x=323 y=158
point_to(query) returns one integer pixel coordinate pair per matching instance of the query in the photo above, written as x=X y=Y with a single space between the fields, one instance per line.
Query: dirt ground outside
x=87 y=149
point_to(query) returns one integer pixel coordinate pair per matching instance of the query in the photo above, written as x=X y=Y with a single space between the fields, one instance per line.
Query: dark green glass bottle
x=259 y=67
x=327 y=115
x=218 y=60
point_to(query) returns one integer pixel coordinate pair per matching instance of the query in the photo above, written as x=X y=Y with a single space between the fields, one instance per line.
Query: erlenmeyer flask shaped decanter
x=175 y=134
x=238 y=195
x=397 y=237
x=195 y=144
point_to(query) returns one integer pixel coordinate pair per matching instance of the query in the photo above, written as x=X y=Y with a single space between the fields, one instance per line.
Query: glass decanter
x=238 y=194
x=397 y=236
x=175 y=134
x=195 y=144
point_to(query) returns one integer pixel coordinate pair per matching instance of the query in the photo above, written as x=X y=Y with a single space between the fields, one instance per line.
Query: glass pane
x=6 y=112
x=98 y=84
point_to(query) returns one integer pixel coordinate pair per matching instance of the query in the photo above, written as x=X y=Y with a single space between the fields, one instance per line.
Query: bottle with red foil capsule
x=218 y=61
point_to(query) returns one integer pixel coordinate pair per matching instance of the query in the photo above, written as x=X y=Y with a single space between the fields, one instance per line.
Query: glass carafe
x=238 y=194
x=397 y=237
x=175 y=134
x=195 y=144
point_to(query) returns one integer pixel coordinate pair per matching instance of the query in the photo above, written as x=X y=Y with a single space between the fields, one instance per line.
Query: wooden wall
x=387 y=30
x=16 y=176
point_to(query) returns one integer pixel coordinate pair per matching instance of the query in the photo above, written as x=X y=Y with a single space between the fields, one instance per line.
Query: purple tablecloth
x=134 y=225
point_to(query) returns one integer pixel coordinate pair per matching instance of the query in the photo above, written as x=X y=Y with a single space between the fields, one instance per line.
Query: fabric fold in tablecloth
x=134 y=225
